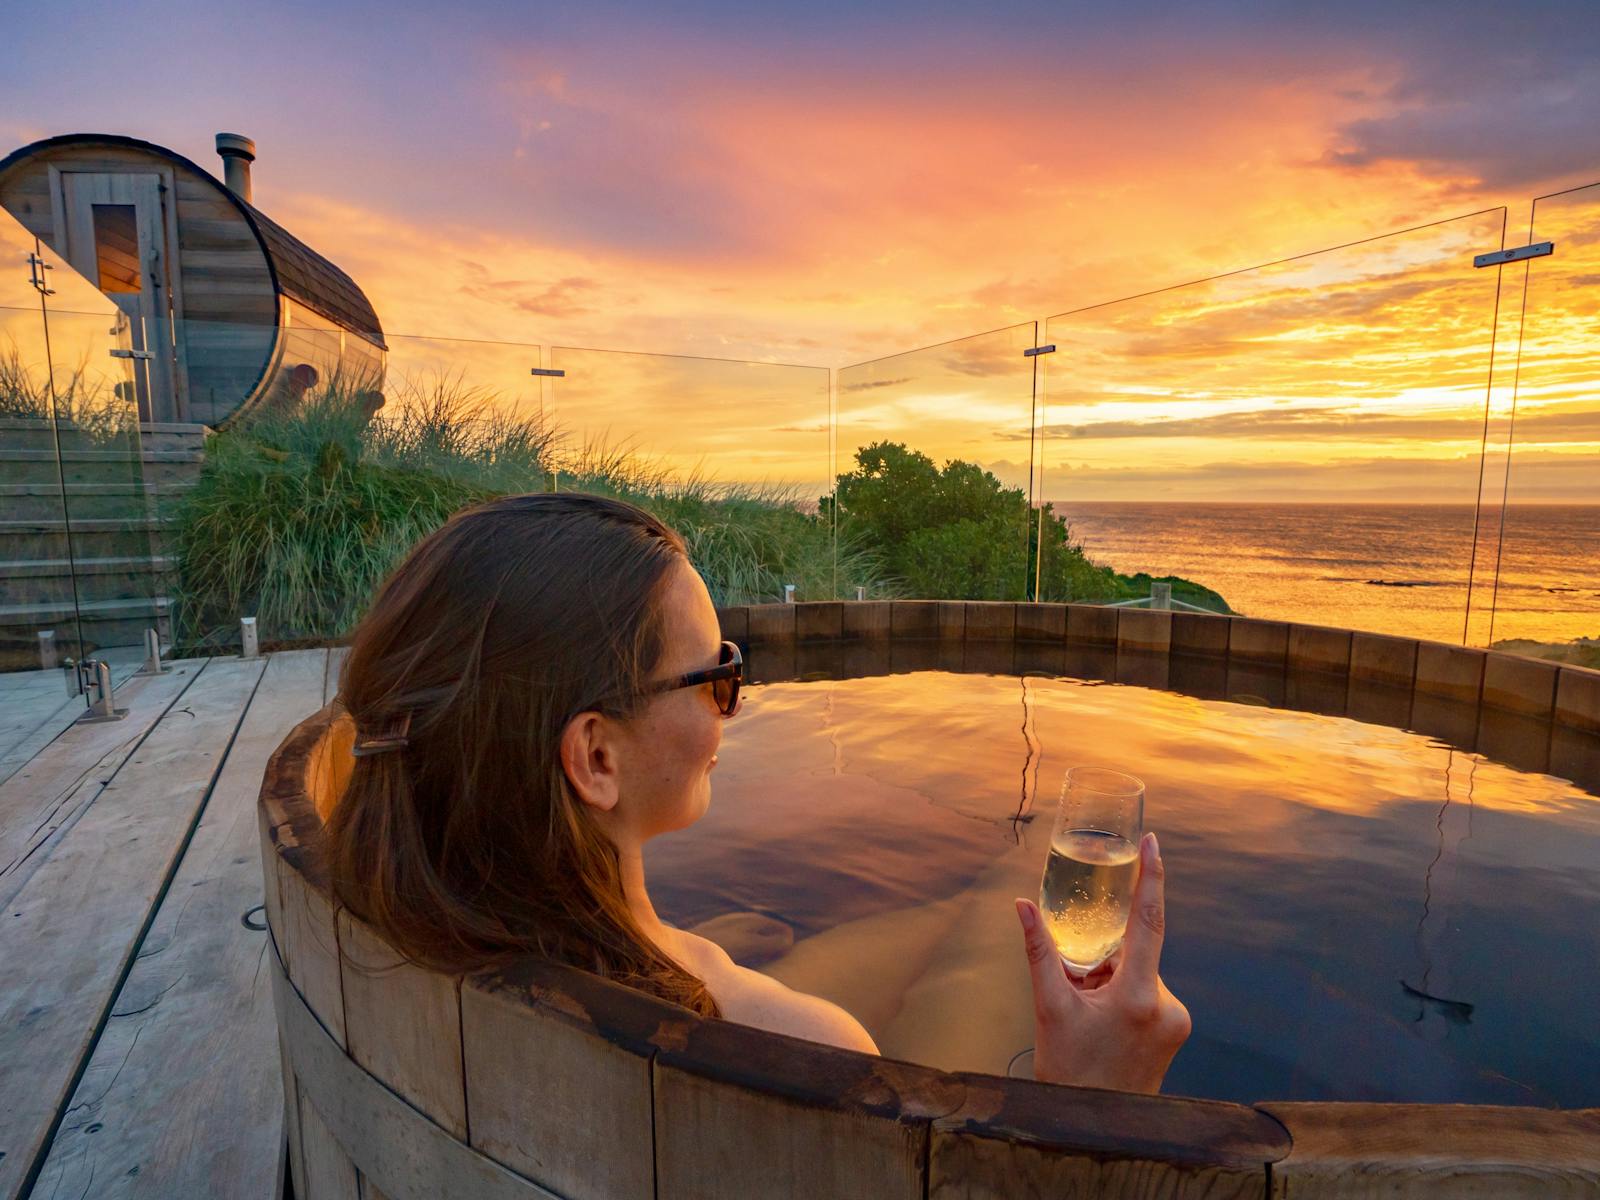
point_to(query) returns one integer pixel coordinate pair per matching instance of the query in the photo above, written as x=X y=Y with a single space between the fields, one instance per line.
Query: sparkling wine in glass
x=1089 y=877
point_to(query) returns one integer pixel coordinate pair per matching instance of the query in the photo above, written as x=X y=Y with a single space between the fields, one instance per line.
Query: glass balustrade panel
x=1547 y=595
x=732 y=454
x=113 y=460
x=38 y=609
x=109 y=467
x=933 y=453
x=1300 y=441
x=330 y=457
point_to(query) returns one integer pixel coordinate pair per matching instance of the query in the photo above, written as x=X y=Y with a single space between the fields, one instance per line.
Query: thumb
x=1050 y=985
x=1140 y=974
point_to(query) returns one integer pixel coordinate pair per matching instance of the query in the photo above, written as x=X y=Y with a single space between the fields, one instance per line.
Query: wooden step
x=44 y=614
x=86 y=525
x=36 y=501
x=39 y=540
x=114 y=456
x=172 y=435
x=120 y=488
x=39 y=434
x=162 y=469
x=92 y=537
x=44 y=580
x=89 y=502
x=25 y=434
x=46 y=567
x=38 y=454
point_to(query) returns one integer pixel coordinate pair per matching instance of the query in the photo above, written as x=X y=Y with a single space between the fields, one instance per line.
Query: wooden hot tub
x=542 y=1081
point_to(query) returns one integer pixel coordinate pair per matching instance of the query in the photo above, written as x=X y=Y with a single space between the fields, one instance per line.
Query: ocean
x=1386 y=568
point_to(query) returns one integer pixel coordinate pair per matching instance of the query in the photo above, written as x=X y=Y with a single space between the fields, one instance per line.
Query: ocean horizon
x=1389 y=568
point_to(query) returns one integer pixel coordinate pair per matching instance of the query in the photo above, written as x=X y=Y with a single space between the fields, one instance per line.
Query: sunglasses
x=725 y=679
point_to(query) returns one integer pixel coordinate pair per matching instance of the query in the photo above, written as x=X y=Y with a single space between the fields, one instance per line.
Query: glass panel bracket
x=36 y=269
x=92 y=678
x=1499 y=258
x=1035 y=351
x=152 y=655
x=139 y=354
x=551 y=371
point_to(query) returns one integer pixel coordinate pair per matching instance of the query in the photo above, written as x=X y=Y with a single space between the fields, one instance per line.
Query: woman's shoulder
x=751 y=998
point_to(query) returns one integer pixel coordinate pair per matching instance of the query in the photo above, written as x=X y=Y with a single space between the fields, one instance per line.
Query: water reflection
x=1356 y=912
x=1438 y=891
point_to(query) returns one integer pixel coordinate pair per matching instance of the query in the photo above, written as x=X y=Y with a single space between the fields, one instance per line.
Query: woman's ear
x=589 y=757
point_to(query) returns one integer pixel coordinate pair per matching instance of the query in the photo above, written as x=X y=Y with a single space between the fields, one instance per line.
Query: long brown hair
x=467 y=847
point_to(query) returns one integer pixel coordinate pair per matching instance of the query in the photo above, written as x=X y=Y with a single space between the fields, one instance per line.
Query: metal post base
x=94 y=678
x=96 y=717
x=152 y=655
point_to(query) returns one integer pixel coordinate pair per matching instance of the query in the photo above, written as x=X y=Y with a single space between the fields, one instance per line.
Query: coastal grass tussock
x=301 y=512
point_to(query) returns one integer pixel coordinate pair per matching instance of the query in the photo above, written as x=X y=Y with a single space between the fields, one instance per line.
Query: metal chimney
x=238 y=152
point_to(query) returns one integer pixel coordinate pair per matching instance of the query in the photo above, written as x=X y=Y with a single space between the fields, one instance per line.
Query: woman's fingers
x=1050 y=983
x=1140 y=972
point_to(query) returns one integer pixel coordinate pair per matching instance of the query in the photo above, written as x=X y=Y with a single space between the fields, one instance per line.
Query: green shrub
x=955 y=532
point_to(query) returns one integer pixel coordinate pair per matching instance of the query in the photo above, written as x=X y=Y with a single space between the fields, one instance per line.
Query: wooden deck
x=138 y=1053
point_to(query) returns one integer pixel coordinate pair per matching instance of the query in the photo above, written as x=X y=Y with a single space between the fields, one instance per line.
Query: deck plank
x=34 y=708
x=63 y=779
x=71 y=930
x=33 y=725
x=182 y=1096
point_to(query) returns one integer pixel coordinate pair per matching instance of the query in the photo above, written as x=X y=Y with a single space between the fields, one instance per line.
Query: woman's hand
x=1119 y=1026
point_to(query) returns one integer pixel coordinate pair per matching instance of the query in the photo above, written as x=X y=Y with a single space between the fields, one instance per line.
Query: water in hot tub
x=1354 y=912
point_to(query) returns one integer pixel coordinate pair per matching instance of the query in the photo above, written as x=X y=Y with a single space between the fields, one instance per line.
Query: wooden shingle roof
x=307 y=277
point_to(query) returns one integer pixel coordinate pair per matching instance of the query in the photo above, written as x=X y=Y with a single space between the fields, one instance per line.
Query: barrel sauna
x=235 y=312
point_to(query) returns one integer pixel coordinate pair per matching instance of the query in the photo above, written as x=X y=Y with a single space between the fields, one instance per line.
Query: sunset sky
x=826 y=184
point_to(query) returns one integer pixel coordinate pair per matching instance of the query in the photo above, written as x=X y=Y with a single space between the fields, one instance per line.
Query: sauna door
x=116 y=236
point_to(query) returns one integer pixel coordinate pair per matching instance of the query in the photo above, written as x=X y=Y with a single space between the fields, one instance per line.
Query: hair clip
x=385 y=743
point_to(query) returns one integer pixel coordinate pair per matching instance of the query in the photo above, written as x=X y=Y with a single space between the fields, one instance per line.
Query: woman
x=538 y=690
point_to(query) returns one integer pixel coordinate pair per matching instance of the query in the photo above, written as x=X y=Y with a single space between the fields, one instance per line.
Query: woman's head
x=521 y=648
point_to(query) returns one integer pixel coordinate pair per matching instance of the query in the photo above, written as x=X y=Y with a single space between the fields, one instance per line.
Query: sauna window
x=116 y=247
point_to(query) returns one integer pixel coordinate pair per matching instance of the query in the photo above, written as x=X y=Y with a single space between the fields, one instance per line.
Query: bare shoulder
x=751 y=998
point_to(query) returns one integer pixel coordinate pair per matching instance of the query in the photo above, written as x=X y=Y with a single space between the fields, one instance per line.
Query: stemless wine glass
x=1087 y=892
